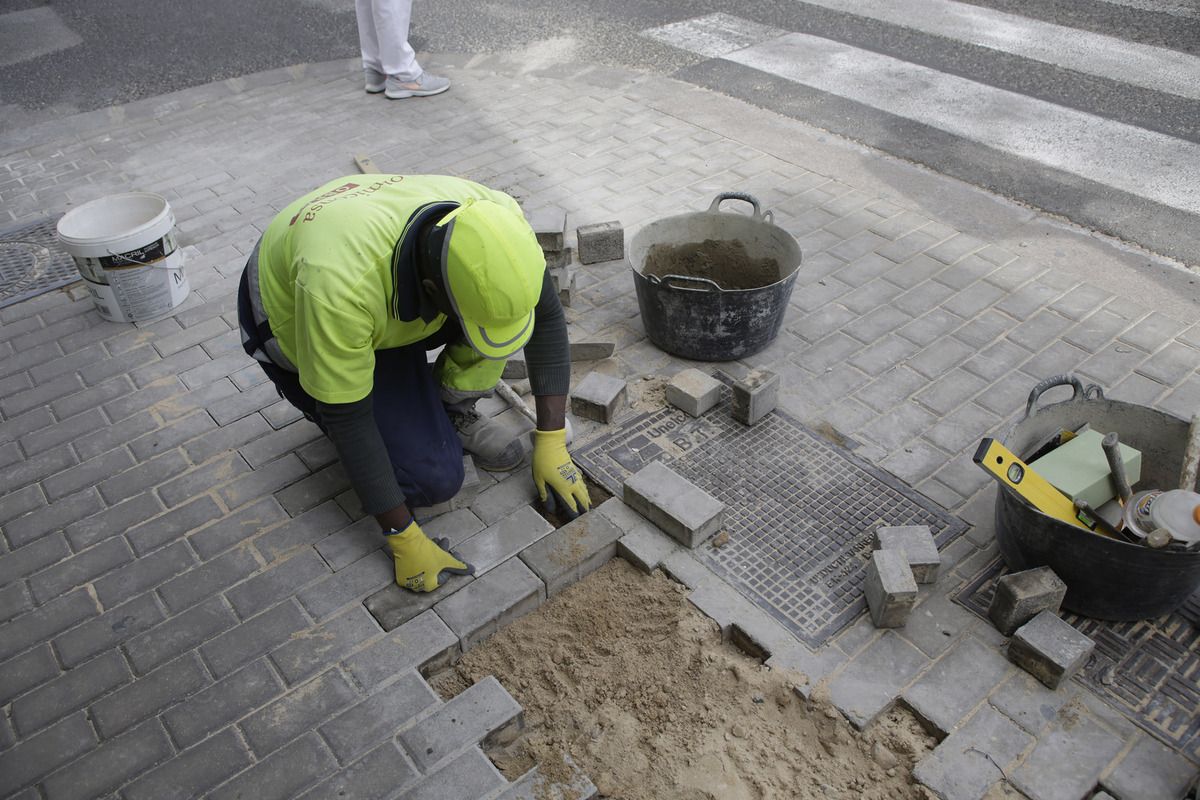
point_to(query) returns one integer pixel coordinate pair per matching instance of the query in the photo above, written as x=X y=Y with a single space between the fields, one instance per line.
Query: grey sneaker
x=375 y=81
x=491 y=444
x=423 y=86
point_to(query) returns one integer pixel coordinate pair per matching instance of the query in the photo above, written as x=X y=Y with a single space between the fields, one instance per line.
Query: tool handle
x=1191 y=456
x=1112 y=452
x=509 y=395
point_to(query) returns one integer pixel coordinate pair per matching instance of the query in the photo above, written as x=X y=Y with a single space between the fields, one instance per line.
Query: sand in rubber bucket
x=124 y=246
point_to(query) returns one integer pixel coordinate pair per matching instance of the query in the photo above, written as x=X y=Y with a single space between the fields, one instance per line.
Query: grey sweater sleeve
x=351 y=427
x=548 y=353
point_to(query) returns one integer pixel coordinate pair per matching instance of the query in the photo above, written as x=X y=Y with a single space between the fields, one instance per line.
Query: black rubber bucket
x=1106 y=578
x=694 y=317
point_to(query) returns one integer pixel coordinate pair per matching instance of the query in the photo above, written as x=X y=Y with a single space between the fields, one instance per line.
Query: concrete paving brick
x=80 y=569
x=15 y=504
x=905 y=246
x=469 y=775
x=114 y=762
x=1049 y=648
x=318 y=453
x=600 y=242
x=30 y=357
x=1110 y=365
x=281 y=414
x=223 y=702
x=1027 y=300
x=455 y=526
x=310 y=527
x=950 y=391
x=872 y=680
x=1171 y=364
x=492 y=601
x=484 y=712
x=424 y=643
x=379 y=773
x=237 y=527
x=1150 y=770
x=276 y=583
x=354 y=541
x=598 y=397
x=501 y=541
x=53 y=434
x=350 y=585
x=21 y=673
x=679 y=508
x=232 y=408
x=314 y=649
x=39 y=467
x=275 y=444
x=392 y=606
x=112 y=521
x=956 y=683
x=574 y=551
x=917 y=544
x=379 y=716
x=498 y=501
x=230 y=437
x=961 y=429
x=193 y=771
x=143 y=574
x=101 y=395
x=12 y=430
x=876 y=326
x=141 y=477
x=1023 y=699
x=936 y=623
x=14 y=601
x=45 y=752
x=178 y=634
x=1067 y=760
x=821 y=322
x=208 y=579
x=890 y=588
x=61 y=512
x=297 y=712
x=186 y=338
x=309 y=492
x=42 y=394
x=149 y=696
x=1020 y=596
x=148 y=445
x=254 y=637
x=754 y=396
x=693 y=391
x=930 y=326
x=283 y=774
x=173 y=525
x=1096 y=331
x=264 y=481
x=44 y=622
x=973 y=758
x=1151 y=332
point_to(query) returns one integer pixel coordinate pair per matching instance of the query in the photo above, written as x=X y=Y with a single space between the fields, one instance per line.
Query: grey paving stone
x=1067 y=760
x=754 y=396
x=957 y=683
x=501 y=541
x=37 y=468
x=490 y=602
x=208 y=579
x=600 y=242
x=1023 y=699
x=67 y=693
x=393 y=606
x=350 y=585
x=236 y=528
x=890 y=588
x=114 y=762
x=46 y=621
x=173 y=525
x=194 y=771
x=22 y=501
x=112 y=521
x=229 y=437
x=379 y=773
x=874 y=678
x=148 y=696
x=693 y=391
x=276 y=583
x=679 y=508
x=264 y=481
x=147 y=474
x=178 y=634
x=314 y=649
x=469 y=775
x=379 y=717
x=569 y=554
x=1020 y=596
x=1049 y=649
x=69 y=430
x=950 y=391
x=1150 y=770
x=143 y=574
x=297 y=712
x=833 y=350
x=973 y=758
x=598 y=397
x=253 y=638
x=455 y=526
x=917 y=545
x=936 y=623
x=1171 y=364
x=24 y=672
x=225 y=701
x=483 y=712
x=45 y=752
x=108 y=630
x=283 y=774
x=60 y=513
x=424 y=643
x=223 y=469
x=237 y=406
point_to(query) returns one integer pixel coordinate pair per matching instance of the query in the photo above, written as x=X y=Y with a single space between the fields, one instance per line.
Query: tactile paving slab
x=32 y=262
x=1149 y=669
x=801 y=510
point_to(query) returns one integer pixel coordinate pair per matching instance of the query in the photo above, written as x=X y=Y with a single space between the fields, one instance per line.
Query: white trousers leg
x=383 y=37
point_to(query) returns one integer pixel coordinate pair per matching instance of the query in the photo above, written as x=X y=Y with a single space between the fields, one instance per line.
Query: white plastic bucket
x=124 y=247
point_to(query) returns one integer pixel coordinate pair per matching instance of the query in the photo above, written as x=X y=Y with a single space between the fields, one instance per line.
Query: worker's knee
x=442 y=483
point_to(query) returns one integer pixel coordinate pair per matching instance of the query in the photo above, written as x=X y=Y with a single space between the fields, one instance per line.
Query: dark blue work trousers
x=425 y=451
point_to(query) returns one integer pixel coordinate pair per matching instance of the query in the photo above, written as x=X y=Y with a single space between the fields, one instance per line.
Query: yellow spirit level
x=1009 y=470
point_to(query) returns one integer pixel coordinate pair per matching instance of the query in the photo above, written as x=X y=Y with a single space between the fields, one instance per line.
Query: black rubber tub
x=1106 y=578
x=694 y=317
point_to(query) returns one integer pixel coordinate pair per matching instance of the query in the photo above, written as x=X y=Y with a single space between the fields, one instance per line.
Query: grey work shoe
x=423 y=86
x=375 y=81
x=489 y=442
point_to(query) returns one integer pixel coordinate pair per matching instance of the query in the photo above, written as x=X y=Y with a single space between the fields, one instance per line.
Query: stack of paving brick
x=1025 y=607
x=550 y=227
x=903 y=557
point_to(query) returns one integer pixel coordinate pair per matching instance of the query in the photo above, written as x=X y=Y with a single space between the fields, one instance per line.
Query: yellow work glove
x=420 y=561
x=559 y=482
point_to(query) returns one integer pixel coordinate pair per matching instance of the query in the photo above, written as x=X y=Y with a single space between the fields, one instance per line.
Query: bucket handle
x=759 y=214
x=666 y=280
x=1091 y=392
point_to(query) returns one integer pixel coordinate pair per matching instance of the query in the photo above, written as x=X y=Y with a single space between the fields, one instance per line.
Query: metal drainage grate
x=32 y=262
x=1149 y=669
x=801 y=511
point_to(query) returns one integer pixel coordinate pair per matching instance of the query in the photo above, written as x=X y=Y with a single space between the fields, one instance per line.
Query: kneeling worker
x=348 y=289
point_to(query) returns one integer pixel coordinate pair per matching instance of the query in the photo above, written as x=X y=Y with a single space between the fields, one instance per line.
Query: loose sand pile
x=625 y=676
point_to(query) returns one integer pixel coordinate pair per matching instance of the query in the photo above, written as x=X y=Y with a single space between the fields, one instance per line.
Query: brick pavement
x=184 y=570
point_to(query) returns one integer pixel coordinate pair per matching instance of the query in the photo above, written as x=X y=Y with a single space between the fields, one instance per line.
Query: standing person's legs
x=388 y=50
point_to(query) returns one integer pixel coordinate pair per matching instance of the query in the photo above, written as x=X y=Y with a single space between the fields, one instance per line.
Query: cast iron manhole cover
x=1149 y=669
x=32 y=262
x=801 y=511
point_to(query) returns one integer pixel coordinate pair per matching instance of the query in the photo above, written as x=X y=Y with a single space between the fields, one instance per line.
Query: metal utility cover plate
x=801 y=510
x=1149 y=669
x=32 y=262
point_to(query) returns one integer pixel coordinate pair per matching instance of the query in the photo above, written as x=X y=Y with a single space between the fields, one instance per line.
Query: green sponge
x=1079 y=469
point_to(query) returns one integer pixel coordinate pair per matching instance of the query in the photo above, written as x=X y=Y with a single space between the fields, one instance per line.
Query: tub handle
x=766 y=216
x=666 y=280
x=1091 y=392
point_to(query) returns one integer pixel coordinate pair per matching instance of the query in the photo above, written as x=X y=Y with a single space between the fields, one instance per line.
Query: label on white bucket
x=146 y=291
